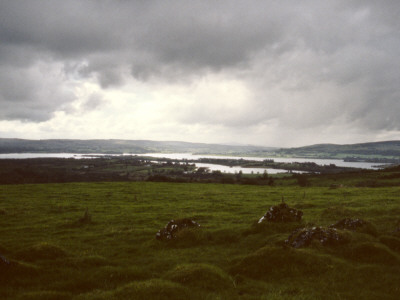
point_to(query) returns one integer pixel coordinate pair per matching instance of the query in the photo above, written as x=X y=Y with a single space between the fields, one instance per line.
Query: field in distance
x=55 y=251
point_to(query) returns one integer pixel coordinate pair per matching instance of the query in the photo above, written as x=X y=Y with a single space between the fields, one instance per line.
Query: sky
x=269 y=73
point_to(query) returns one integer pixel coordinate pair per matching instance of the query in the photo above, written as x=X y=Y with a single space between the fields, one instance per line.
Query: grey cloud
x=28 y=96
x=285 y=52
x=93 y=101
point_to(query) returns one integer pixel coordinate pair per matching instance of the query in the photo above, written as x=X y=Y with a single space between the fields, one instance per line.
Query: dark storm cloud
x=295 y=47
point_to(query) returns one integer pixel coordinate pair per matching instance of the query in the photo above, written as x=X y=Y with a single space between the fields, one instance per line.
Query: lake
x=337 y=162
x=212 y=167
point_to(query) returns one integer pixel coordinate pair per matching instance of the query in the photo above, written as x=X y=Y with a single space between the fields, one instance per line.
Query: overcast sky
x=272 y=73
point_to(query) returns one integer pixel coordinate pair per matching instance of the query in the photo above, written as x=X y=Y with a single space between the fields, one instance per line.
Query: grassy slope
x=117 y=257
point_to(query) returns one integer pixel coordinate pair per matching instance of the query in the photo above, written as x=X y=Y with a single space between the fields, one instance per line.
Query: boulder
x=303 y=237
x=170 y=230
x=349 y=224
x=281 y=213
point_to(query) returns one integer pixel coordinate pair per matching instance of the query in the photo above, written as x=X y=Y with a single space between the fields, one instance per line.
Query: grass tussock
x=93 y=261
x=45 y=295
x=370 y=252
x=157 y=289
x=272 y=262
x=17 y=271
x=268 y=228
x=334 y=213
x=391 y=241
x=203 y=276
x=189 y=237
x=42 y=251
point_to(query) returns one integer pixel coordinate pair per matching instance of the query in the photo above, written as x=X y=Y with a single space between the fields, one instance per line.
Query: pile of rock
x=170 y=230
x=349 y=224
x=282 y=213
x=303 y=237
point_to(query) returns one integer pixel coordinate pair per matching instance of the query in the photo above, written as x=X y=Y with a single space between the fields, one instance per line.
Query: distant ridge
x=117 y=146
x=384 y=149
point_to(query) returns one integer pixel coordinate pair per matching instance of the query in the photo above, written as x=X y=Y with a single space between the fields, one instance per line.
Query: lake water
x=337 y=162
x=212 y=167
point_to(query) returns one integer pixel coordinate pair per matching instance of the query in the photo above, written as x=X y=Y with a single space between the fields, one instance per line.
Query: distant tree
x=202 y=170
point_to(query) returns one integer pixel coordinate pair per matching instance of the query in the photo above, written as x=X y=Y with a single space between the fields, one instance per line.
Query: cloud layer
x=255 y=71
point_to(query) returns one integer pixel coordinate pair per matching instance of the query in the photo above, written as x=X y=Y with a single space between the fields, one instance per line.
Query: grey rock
x=170 y=230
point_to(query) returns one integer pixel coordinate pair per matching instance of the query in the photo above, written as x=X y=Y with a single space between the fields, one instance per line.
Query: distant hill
x=376 y=149
x=388 y=149
x=120 y=146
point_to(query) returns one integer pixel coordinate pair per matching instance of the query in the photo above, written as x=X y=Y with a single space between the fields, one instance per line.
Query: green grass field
x=115 y=255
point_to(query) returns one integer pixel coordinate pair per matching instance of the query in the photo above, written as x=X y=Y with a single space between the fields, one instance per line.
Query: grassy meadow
x=56 y=253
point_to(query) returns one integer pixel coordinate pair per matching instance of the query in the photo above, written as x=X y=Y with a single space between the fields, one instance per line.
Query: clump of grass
x=3 y=250
x=157 y=289
x=45 y=295
x=153 y=289
x=203 y=276
x=337 y=212
x=17 y=271
x=87 y=218
x=189 y=237
x=370 y=252
x=225 y=236
x=93 y=261
x=42 y=251
x=281 y=262
x=391 y=241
